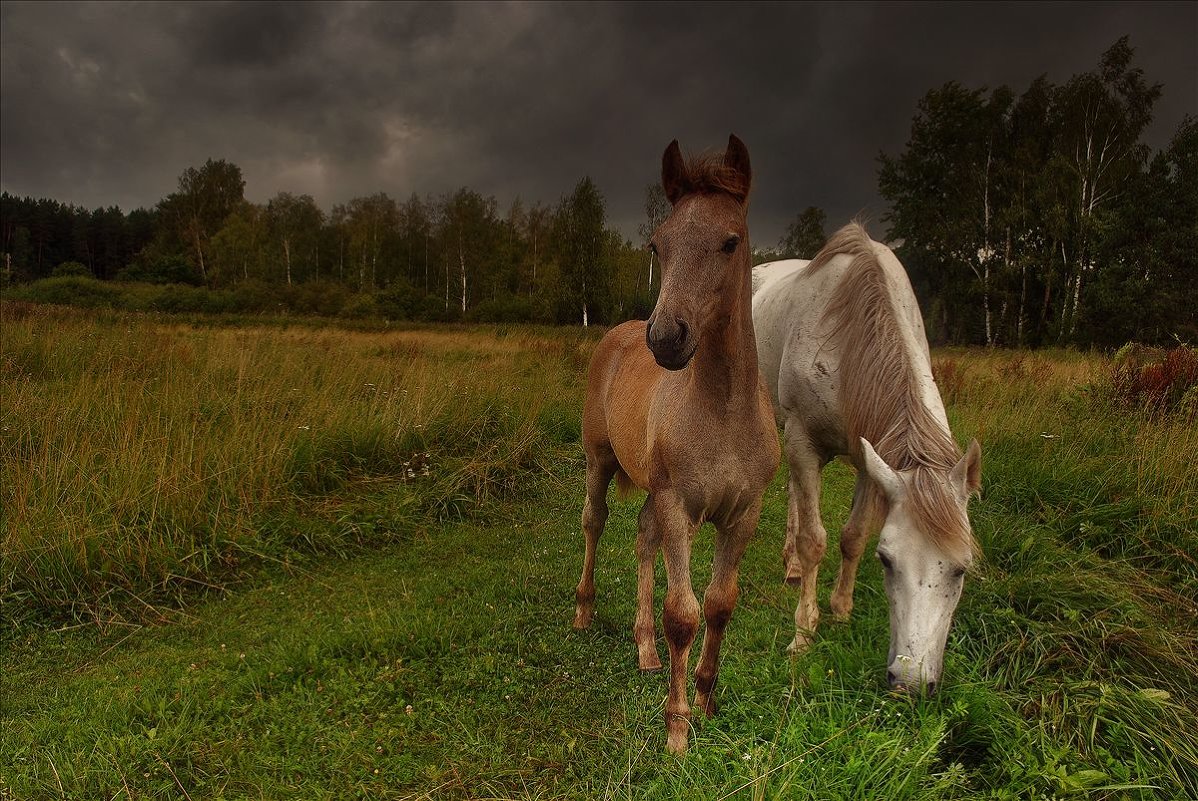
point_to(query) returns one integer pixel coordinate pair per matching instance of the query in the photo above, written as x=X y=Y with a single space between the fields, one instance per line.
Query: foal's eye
x=959 y=573
x=730 y=244
x=885 y=560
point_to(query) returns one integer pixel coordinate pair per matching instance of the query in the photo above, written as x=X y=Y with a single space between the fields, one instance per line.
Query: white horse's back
x=789 y=305
x=771 y=272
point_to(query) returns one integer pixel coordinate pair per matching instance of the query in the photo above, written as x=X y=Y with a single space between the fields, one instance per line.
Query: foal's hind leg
x=648 y=541
x=720 y=600
x=600 y=469
x=853 y=540
x=808 y=540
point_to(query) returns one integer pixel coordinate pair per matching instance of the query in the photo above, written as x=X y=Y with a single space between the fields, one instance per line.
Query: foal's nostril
x=681 y=331
x=931 y=688
x=892 y=678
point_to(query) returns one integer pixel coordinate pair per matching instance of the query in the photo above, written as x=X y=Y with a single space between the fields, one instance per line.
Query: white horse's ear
x=882 y=474
x=967 y=473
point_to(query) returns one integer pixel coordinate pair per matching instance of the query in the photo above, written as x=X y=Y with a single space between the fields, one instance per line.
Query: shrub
x=432 y=310
x=400 y=301
x=71 y=268
x=360 y=306
x=1155 y=379
x=153 y=269
x=504 y=309
x=71 y=290
x=251 y=296
x=323 y=298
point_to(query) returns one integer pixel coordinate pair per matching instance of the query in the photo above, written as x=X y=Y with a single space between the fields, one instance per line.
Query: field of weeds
x=295 y=561
x=143 y=456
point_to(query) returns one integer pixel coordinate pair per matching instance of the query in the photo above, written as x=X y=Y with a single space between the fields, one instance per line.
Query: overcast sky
x=106 y=104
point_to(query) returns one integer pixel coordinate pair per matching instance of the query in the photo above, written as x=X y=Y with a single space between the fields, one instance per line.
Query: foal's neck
x=725 y=364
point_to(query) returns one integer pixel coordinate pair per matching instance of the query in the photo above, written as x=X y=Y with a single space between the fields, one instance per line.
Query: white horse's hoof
x=798 y=645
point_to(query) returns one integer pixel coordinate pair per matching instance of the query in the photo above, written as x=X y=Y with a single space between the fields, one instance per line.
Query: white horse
x=842 y=347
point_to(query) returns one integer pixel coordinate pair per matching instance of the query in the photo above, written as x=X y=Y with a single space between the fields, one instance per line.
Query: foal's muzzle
x=668 y=340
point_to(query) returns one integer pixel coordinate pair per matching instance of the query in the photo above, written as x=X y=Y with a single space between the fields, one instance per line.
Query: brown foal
x=688 y=419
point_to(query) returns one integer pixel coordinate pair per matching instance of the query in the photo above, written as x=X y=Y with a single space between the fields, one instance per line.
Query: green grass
x=421 y=628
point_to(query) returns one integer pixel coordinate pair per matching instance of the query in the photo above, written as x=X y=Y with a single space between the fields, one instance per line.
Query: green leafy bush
x=154 y=269
x=71 y=290
x=71 y=268
x=504 y=309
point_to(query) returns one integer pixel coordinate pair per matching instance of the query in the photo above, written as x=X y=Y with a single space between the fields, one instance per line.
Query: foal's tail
x=624 y=485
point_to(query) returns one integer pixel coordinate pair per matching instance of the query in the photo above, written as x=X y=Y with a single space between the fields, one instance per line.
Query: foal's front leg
x=808 y=540
x=600 y=469
x=680 y=618
x=720 y=600
x=648 y=541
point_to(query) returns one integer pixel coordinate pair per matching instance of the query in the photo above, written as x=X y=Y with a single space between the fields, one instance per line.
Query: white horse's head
x=924 y=568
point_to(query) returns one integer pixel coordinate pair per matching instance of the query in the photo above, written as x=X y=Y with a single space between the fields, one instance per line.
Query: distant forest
x=1024 y=219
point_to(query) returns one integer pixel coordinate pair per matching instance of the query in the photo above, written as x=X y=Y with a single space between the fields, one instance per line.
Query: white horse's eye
x=885 y=560
x=959 y=573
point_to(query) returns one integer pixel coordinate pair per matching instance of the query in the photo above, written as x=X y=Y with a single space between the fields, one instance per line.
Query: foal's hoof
x=648 y=660
x=582 y=618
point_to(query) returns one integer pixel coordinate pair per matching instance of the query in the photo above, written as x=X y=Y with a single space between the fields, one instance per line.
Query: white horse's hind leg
x=806 y=537
x=852 y=544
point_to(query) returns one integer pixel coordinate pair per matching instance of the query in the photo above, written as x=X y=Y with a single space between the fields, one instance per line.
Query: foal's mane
x=707 y=174
x=880 y=395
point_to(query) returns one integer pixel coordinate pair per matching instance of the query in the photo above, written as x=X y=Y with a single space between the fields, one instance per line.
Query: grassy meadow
x=271 y=559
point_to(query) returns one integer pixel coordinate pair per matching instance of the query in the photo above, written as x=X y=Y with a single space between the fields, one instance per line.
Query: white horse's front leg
x=852 y=544
x=806 y=538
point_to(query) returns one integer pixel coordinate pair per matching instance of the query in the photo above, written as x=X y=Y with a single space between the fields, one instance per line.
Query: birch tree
x=657 y=209
x=294 y=223
x=579 y=240
x=205 y=199
x=805 y=235
x=1101 y=116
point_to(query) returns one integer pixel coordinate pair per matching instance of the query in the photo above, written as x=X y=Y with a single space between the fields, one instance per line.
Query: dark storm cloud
x=106 y=104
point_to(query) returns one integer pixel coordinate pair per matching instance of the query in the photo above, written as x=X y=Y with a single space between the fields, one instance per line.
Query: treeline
x=1041 y=218
x=448 y=258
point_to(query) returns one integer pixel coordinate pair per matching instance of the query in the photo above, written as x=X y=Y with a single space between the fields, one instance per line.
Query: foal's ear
x=967 y=473
x=736 y=158
x=881 y=473
x=673 y=173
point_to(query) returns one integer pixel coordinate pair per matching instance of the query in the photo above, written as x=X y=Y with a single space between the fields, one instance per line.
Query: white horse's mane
x=880 y=393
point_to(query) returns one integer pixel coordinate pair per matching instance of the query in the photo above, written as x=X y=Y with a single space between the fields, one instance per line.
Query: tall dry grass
x=137 y=455
x=1070 y=405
